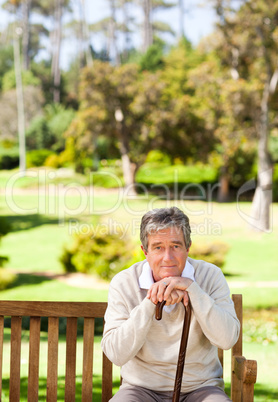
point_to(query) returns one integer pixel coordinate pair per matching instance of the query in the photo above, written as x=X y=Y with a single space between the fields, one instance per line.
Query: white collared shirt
x=146 y=279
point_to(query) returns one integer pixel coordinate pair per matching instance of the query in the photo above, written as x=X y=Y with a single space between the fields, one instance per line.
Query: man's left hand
x=170 y=289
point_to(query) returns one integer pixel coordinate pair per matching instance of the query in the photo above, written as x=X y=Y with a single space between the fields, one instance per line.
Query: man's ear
x=144 y=251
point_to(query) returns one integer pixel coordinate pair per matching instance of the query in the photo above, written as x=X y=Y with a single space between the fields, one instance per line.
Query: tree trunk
x=223 y=191
x=26 y=5
x=129 y=170
x=127 y=33
x=147 y=25
x=20 y=102
x=85 y=35
x=113 y=40
x=128 y=167
x=181 y=19
x=263 y=195
x=56 y=73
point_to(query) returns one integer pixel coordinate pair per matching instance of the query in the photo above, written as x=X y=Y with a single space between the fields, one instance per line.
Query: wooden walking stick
x=183 y=345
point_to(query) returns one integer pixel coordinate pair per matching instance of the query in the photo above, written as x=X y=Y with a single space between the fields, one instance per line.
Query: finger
x=152 y=293
x=156 y=292
x=169 y=289
x=169 y=300
x=185 y=299
x=162 y=285
x=180 y=295
x=174 y=296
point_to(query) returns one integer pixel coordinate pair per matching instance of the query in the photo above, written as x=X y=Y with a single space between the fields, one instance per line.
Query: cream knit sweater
x=148 y=349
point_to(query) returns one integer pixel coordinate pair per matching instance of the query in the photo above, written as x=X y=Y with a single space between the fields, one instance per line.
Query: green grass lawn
x=33 y=287
x=42 y=225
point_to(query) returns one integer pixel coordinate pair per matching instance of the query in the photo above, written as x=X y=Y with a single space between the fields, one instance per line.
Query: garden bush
x=211 y=252
x=9 y=156
x=8 y=162
x=157 y=173
x=4 y=229
x=7 y=278
x=156 y=156
x=37 y=157
x=104 y=254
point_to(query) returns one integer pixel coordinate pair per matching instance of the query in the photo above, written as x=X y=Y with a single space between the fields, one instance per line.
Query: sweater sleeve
x=214 y=311
x=125 y=331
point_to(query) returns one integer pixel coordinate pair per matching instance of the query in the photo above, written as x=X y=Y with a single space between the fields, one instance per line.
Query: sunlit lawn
x=41 y=228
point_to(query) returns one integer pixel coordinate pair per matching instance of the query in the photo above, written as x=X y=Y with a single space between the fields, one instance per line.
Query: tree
x=106 y=94
x=225 y=106
x=137 y=112
x=252 y=46
x=31 y=32
x=33 y=99
x=150 y=27
x=54 y=10
x=22 y=9
x=6 y=61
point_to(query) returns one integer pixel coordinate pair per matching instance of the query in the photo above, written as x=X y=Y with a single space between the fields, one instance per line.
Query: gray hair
x=162 y=218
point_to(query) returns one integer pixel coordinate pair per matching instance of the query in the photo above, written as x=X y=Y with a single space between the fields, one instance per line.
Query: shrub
x=37 y=157
x=7 y=278
x=53 y=161
x=9 y=155
x=104 y=254
x=211 y=252
x=4 y=229
x=261 y=331
x=156 y=156
x=8 y=162
x=28 y=78
x=38 y=135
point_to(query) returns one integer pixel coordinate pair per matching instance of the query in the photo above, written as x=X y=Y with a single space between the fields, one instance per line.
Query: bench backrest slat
x=15 y=358
x=88 y=354
x=52 y=366
x=71 y=338
x=34 y=354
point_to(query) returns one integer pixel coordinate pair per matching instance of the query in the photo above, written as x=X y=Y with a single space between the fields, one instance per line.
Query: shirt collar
x=146 y=277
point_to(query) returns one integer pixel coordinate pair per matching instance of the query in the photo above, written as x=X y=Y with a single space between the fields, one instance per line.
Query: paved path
x=93 y=282
x=246 y=284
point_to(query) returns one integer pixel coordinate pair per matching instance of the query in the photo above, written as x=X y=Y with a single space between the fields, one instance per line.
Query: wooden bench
x=243 y=371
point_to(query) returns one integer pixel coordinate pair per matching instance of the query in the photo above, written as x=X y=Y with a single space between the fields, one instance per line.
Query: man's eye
x=176 y=246
x=158 y=248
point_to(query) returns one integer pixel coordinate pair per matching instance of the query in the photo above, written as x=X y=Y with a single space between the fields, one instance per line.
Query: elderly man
x=147 y=349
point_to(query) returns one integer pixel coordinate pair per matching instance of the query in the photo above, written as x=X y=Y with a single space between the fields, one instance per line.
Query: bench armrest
x=244 y=374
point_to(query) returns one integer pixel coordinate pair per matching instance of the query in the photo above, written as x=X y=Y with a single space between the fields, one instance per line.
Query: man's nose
x=168 y=254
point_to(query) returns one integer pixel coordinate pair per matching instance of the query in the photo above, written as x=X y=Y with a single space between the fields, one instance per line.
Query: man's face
x=167 y=253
